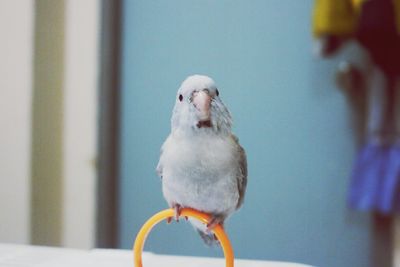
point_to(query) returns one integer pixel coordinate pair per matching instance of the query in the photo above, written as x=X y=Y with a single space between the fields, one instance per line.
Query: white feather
x=199 y=172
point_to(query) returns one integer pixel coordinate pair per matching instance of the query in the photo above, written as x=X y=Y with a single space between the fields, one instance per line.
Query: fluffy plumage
x=202 y=164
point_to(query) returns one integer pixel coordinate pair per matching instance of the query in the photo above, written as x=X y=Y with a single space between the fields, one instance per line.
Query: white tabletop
x=35 y=256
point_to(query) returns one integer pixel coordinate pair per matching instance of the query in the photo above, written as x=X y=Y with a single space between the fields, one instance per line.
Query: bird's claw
x=177 y=213
x=215 y=220
x=178 y=210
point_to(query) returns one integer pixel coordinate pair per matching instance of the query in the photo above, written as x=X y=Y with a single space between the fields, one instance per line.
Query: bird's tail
x=209 y=238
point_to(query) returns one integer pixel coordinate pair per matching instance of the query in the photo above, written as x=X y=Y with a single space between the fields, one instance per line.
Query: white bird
x=202 y=165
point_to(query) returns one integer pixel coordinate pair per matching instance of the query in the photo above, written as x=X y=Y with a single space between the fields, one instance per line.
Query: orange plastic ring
x=186 y=212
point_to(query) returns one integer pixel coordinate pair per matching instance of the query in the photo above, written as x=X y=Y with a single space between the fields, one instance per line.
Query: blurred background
x=87 y=90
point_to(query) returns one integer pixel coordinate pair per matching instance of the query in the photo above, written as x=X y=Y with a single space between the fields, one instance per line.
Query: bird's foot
x=214 y=221
x=177 y=213
x=178 y=209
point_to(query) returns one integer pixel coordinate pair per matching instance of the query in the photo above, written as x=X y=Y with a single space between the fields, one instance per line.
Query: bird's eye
x=180 y=98
x=217 y=92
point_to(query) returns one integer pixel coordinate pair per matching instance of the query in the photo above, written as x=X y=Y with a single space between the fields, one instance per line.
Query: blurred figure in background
x=375 y=24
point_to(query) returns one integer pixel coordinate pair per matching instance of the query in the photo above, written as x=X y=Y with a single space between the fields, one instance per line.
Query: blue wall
x=289 y=116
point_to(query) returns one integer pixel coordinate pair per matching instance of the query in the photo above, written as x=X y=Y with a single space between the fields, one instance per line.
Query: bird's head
x=199 y=107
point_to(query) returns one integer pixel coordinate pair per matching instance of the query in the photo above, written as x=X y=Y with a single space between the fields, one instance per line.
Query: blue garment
x=376 y=179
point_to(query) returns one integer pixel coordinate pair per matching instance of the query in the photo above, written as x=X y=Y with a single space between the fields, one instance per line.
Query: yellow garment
x=339 y=17
x=357 y=4
x=335 y=17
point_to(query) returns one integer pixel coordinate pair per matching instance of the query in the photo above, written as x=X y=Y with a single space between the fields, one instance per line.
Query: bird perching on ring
x=186 y=212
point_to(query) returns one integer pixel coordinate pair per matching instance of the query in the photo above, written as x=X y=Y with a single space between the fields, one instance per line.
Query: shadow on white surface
x=36 y=256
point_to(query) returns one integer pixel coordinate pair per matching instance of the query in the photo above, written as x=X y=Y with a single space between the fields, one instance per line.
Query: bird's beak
x=202 y=102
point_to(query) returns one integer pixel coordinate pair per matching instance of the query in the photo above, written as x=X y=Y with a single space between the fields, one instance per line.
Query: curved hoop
x=186 y=212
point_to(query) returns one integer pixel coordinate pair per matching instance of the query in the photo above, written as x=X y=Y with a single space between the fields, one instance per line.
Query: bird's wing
x=159 y=168
x=164 y=147
x=242 y=173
